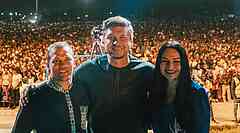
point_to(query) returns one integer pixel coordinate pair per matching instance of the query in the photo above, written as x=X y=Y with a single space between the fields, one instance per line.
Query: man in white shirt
x=16 y=84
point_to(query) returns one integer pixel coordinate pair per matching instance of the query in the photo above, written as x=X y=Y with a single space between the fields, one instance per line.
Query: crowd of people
x=212 y=45
x=126 y=90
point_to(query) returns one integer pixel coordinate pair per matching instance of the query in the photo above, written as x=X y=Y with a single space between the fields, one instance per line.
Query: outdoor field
x=223 y=113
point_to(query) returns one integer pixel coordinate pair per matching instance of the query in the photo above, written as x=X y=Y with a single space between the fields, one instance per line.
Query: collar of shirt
x=54 y=85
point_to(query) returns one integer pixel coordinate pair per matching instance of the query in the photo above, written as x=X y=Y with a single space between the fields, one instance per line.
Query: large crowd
x=212 y=44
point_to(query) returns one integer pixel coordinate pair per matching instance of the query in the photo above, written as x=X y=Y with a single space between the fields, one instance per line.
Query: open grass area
x=225 y=129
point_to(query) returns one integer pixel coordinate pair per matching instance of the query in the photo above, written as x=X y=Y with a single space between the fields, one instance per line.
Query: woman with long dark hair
x=178 y=104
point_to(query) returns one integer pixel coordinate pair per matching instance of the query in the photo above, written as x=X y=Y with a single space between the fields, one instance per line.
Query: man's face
x=61 y=65
x=119 y=48
x=170 y=65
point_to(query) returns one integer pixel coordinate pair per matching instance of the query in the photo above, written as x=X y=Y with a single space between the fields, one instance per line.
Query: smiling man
x=117 y=82
x=51 y=108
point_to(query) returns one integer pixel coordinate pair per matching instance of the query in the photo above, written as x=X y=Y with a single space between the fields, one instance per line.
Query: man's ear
x=47 y=71
x=74 y=63
x=47 y=67
x=104 y=44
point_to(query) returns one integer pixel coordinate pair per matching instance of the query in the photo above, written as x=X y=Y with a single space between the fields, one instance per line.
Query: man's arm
x=24 y=120
x=26 y=94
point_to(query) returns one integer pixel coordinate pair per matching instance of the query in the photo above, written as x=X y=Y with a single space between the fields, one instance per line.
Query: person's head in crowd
x=40 y=77
x=117 y=38
x=60 y=61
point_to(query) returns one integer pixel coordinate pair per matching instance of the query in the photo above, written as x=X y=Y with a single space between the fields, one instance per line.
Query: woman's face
x=170 y=65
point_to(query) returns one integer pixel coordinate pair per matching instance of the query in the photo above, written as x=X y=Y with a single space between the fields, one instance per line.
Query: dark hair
x=183 y=97
x=116 y=21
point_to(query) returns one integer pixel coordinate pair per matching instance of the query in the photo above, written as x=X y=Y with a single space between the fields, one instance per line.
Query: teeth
x=170 y=72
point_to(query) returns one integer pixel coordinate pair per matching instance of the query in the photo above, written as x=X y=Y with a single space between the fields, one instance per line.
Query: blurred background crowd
x=212 y=44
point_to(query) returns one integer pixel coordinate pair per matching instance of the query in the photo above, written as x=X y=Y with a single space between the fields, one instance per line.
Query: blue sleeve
x=201 y=110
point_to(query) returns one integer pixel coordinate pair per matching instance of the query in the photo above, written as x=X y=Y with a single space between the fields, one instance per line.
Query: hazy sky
x=113 y=3
x=52 y=3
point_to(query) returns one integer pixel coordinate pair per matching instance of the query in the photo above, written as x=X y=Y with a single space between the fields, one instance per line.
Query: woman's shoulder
x=201 y=108
x=198 y=89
